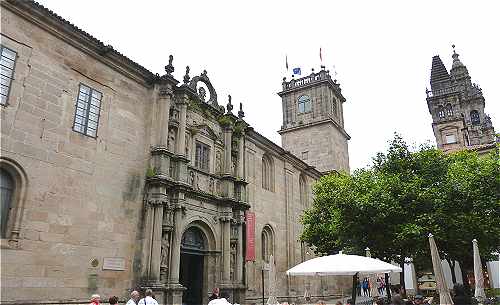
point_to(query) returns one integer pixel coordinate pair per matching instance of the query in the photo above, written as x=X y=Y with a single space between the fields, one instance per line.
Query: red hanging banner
x=250 y=234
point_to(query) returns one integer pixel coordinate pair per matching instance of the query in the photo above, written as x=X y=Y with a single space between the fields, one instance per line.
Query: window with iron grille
x=88 y=107
x=202 y=157
x=7 y=64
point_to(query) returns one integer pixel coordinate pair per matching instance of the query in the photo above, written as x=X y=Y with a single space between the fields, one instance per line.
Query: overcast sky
x=382 y=51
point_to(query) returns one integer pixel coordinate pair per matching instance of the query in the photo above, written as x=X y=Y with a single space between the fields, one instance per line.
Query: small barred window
x=7 y=63
x=88 y=107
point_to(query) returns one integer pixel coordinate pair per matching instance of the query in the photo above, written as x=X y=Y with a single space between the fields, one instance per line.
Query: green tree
x=393 y=205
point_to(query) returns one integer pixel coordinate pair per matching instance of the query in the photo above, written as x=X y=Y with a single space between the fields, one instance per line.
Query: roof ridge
x=105 y=48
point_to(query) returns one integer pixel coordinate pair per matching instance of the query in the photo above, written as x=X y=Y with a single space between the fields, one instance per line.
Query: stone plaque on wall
x=114 y=263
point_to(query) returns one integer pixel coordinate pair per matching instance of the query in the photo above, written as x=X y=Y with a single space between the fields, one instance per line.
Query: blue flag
x=296 y=71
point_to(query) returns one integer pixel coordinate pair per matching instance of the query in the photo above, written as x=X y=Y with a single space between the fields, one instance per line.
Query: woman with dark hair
x=113 y=300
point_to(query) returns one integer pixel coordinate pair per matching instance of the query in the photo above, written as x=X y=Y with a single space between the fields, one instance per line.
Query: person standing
x=113 y=300
x=95 y=299
x=215 y=294
x=134 y=298
x=148 y=299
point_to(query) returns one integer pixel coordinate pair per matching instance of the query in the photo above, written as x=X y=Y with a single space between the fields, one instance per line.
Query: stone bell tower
x=457 y=109
x=313 y=121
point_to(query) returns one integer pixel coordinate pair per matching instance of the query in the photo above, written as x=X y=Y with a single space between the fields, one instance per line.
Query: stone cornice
x=325 y=121
x=76 y=37
x=268 y=145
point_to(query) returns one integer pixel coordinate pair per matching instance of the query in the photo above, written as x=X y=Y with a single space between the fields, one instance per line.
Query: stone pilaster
x=176 y=242
x=239 y=255
x=226 y=249
x=241 y=157
x=228 y=181
x=151 y=255
x=181 y=140
x=228 y=136
x=163 y=113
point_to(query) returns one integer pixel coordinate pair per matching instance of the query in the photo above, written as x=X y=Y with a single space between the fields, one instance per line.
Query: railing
x=314 y=77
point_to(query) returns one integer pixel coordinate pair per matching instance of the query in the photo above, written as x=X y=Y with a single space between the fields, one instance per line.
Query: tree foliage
x=393 y=205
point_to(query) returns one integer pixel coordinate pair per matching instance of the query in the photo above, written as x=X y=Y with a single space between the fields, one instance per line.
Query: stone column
x=164 y=101
x=181 y=137
x=228 y=135
x=146 y=247
x=154 y=273
x=176 y=245
x=241 y=157
x=226 y=250
x=239 y=255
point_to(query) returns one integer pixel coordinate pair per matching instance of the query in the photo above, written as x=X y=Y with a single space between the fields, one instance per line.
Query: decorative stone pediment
x=203 y=78
x=205 y=130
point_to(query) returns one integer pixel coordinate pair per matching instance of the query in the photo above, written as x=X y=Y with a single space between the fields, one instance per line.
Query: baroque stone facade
x=457 y=109
x=116 y=178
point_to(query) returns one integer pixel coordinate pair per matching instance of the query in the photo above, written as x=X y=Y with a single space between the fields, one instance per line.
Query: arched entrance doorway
x=193 y=251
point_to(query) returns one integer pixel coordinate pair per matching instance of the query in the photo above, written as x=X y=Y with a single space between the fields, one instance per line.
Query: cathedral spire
x=458 y=69
x=438 y=71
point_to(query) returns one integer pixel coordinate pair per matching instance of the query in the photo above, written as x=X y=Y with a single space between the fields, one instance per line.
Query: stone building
x=457 y=109
x=315 y=133
x=114 y=177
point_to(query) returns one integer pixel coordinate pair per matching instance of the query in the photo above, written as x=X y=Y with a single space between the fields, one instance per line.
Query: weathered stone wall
x=326 y=146
x=281 y=209
x=84 y=195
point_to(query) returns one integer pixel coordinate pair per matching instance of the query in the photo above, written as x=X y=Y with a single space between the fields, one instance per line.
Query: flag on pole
x=286 y=62
x=320 y=55
x=296 y=71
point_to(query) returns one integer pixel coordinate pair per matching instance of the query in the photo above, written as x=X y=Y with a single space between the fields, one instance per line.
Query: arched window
x=267 y=173
x=304 y=198
x=13 y=185
x=305 y=104
x=7 y=187
x=267 y=239
x=474 y=117
x=440 y=112
x=449 y=110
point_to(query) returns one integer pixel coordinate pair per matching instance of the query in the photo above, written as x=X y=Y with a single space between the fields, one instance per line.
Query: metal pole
x=262 y=277
x=388 y=287
x=354 y=287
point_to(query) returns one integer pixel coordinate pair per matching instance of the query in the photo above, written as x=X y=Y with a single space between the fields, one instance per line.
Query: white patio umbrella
x=342 y=264
x=478 y=273
x=272 y=300
x=442 y=287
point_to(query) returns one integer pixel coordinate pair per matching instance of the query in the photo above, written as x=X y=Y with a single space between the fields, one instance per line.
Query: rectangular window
x=305 y=155
x=202 y=157
x=88 y=107
x=450 y=139
x=7 y=63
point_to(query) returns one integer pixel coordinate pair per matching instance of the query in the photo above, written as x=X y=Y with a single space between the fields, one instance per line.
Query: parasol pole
x=354 y=287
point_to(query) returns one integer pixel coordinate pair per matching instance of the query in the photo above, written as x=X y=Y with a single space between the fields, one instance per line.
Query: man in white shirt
x=148 y=299
x=134 y=298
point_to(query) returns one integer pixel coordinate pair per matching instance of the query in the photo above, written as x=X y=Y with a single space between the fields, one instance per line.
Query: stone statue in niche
x=191 y=178
x=188 y=141
x=218 y=188
x=218 y=162
x=211 y=186
x=234 y=163
x=171 y=140
x=165 y=245
x=202 y=93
